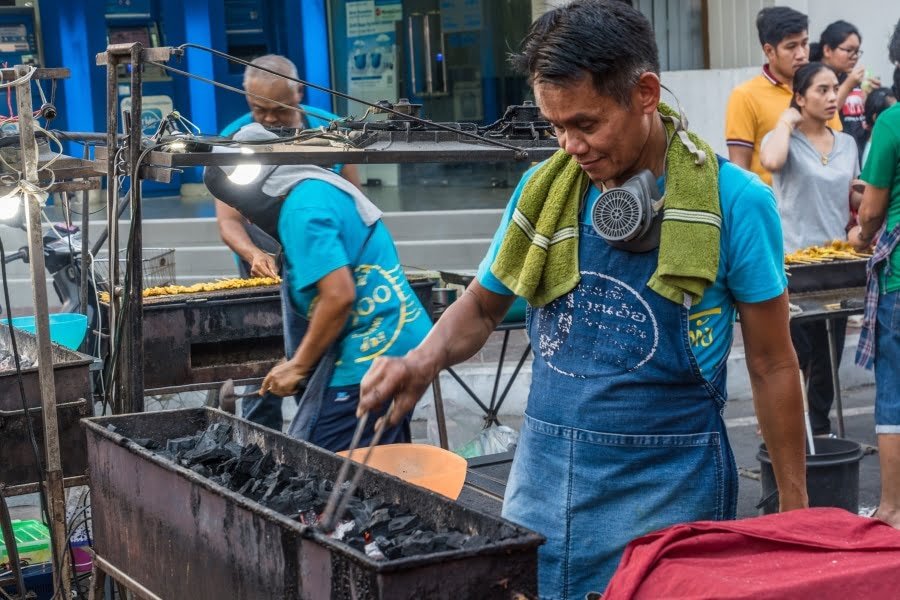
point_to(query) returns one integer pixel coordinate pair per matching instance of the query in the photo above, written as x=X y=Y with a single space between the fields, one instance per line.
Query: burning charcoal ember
x=372 y=551
x=403 y=524
x=346 y=529
x=182 y=444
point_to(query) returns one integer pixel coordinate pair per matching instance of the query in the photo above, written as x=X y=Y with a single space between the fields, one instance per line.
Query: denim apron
x=622 y=434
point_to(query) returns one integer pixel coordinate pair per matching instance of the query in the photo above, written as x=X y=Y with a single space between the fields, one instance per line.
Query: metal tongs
x=337 y=503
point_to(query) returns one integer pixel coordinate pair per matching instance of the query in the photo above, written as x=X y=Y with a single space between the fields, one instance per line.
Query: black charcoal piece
x=146 y=443
x=207 y=457
x=403 y=524
x=378 y=522
x=182 y=444
x=201 y=470
x=234 y=448
x=420 y=542
x=374 y=526
x=262 y=466
x=389 y=548
x=455 y=539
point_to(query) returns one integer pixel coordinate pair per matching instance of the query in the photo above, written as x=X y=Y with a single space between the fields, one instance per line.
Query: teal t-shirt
x=882 y=170
x=751 y=263
x=315 y=117
x=321 y=231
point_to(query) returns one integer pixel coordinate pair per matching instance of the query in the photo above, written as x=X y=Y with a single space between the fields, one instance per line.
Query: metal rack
x=67 y=174
x=513 y=138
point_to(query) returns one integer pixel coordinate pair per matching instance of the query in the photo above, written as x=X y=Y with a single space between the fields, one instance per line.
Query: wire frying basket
x=158 y=268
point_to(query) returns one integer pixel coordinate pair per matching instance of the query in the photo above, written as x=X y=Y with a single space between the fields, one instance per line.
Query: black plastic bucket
x=422 y=288
x=832 y=475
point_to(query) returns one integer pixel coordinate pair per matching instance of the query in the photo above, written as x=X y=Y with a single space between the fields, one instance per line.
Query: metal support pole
x=56 y=493
x=112 y=217
x=121 y=577
x=85 y=259
x=833 y=351
x=439 y=412
x=131 y=365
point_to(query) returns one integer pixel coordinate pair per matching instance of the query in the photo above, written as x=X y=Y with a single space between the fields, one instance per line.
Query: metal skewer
x=337 y=503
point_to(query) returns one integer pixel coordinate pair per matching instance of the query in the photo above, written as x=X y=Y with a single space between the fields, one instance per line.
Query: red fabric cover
x=820 y=553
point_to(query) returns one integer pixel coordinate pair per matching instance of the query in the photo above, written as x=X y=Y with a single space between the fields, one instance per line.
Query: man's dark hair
x=894 y=45
x=610 y=41
x=877 y=102
x=775 y=23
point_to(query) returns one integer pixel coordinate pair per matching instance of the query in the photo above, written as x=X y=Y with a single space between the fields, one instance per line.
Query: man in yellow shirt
x=755 y=106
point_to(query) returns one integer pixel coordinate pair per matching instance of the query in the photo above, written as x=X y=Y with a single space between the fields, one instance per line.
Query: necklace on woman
x=824 y=159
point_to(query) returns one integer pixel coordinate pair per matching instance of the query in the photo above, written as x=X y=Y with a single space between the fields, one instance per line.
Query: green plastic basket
x=32 y=540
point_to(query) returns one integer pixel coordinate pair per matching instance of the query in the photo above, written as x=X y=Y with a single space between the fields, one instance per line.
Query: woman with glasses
x=839 y=48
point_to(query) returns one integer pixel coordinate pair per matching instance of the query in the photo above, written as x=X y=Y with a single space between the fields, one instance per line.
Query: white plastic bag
x=496 y=439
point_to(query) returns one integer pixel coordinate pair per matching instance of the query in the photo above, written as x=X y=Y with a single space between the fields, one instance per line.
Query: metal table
x=827 y=306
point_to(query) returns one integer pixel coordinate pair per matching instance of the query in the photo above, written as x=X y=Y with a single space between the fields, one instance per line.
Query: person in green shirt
x=881 y=208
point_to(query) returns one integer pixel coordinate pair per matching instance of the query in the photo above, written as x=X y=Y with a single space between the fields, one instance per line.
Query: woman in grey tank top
x=814 y=171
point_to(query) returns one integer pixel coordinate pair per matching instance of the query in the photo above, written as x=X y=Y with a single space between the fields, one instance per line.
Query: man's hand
x=857 y=241
x=402 y=380
x=262 y=264
x=283 y=380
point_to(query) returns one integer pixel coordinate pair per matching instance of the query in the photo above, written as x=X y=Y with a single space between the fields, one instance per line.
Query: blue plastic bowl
x=66 y=329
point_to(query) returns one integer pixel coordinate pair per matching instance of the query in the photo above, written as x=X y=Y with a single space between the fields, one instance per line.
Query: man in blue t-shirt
x=346 y=298
x=623 y=432
x=255 y=250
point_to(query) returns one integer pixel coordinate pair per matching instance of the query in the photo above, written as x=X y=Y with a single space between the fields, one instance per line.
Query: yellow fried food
x=835 y=250
x=214 y=286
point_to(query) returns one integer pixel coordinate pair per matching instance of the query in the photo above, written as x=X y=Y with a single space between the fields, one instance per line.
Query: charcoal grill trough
x=71 y=373
x=181 y=535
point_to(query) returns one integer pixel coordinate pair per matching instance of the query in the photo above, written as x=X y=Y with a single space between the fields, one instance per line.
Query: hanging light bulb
x=245 y=173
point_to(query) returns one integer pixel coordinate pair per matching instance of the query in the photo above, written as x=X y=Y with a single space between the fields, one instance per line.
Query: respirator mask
x=629 y=217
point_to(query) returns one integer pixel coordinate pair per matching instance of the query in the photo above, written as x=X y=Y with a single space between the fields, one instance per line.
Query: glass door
x=449 y=56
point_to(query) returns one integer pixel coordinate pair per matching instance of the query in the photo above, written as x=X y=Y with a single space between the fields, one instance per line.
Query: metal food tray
x=71 y=373
x=837 y=274
x=198 y=340
x=182 y=536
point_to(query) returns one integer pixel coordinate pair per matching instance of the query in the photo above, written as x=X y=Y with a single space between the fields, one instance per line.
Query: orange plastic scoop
x=430 y=467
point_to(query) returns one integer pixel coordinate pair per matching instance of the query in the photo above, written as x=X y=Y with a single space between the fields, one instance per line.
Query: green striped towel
x=538 y=257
